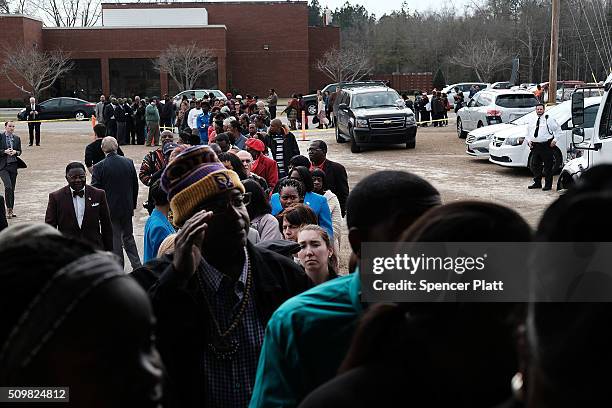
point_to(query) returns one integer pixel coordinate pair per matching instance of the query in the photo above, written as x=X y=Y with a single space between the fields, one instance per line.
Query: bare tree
x=345 y=64
x=70 y=13
x=485 y=57
x=185 y=64
x=31 y=70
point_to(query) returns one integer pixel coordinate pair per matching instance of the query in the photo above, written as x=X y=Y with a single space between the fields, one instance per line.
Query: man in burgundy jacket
x=81 y=211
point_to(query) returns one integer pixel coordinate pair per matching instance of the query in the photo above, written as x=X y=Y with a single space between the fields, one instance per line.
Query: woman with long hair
x=317 y=254
x=293 y=218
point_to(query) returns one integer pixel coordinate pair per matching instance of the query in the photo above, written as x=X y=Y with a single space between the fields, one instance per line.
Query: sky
x=380 y=7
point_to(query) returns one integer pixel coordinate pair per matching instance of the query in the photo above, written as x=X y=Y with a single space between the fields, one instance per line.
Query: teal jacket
x=151 y=113
x=305 y=342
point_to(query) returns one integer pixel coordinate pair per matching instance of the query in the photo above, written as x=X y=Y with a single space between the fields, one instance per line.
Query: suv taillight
x=493 y=112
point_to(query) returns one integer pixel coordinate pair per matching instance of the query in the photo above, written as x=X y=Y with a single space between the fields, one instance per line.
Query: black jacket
x=290 y=148
x=116 y=175
x=337 y=181
x=182 y=319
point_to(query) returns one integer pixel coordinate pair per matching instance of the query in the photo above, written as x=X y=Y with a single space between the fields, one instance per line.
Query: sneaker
x=534 y=186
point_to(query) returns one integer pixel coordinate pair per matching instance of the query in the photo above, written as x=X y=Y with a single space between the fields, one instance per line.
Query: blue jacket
x=156 y=230
x=317 y=203
x=202 y=122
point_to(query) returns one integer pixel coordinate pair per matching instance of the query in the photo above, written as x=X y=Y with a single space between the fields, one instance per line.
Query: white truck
x=596 y=151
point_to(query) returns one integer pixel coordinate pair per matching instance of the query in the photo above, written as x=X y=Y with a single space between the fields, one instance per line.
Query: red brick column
x=163 y=83
x=105 y=76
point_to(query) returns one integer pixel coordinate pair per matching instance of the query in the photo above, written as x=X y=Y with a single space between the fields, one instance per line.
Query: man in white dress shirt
x=542 y=137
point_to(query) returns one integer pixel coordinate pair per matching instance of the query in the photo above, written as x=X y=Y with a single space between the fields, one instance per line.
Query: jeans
x=123 y=237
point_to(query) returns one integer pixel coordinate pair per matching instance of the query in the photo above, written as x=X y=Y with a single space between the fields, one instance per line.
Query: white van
x=508 y=148
x=596 y=151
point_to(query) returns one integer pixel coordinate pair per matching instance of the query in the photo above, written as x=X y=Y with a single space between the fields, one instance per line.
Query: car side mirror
x=343 y=106
x=577 y=135
x=577 y=109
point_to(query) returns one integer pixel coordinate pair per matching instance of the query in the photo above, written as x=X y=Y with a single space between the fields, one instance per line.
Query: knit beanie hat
x=193 y=177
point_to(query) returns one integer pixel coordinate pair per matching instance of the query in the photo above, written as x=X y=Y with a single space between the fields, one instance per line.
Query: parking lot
x=439 y=157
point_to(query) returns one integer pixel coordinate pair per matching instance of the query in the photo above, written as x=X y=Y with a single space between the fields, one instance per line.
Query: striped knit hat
x=193 y=177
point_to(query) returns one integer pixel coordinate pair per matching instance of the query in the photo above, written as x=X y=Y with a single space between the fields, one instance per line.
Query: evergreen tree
x=315 y=13
x=439 y=82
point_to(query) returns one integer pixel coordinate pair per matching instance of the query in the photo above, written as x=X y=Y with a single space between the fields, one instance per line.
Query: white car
x=478 y=140
x=500 y=85
x=508 y=148
x=490 y=107
x=198 y=94
x=463 y=87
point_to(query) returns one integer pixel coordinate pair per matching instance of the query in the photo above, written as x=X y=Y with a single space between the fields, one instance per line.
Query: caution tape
x=51 y=120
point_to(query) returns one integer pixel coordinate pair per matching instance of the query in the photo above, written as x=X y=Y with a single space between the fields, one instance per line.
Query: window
x=484 y=100
x=69 y=102
x=516 y=101
x=605 y=126
x=373 y=99
x=51 y=104
x=133 y=76
x=472 y=103
x=590 y=114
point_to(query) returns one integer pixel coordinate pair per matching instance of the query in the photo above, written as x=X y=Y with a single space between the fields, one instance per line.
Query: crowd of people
x=239 y=300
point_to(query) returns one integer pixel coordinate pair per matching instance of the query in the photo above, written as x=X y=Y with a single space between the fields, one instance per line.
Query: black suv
x=311 y=99
x=374 y=115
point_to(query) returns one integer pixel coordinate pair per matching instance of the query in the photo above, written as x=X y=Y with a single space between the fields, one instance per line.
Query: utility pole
x=554 y=52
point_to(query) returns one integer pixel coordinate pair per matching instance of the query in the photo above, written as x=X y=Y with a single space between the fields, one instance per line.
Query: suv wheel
x=411 y=144
x=354 y=146
x=339 y=139
x=311 y=109
x=460 y=132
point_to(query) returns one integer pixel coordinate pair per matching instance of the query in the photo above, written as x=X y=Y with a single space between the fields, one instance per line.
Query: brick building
x=257 y=45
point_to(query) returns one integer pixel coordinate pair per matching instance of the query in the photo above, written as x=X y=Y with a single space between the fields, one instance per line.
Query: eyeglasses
x=222 y=205
x=314 y=149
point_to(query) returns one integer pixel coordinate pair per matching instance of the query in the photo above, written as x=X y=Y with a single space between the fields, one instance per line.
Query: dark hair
x=298 y=214
x=259 y=205
x=305 y=177
x=541 y=104
x=289 y=182
x=469 y=221
x=237 y=165
x=299 y=160
x=160 y=197
x=74 y=165
x=223 y=136
x=100 y=130
x=235 y=124
x=322 y=145
x=28 y=265
x=388 y=194
x=317 y=172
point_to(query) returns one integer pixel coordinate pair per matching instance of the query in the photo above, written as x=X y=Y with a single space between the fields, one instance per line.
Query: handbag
x=21 y=164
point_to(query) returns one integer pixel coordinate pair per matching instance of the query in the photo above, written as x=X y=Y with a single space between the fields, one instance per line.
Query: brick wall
x=320 y=40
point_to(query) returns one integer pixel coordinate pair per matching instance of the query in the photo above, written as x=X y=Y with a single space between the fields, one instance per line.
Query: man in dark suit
x=81 y=211
x=117 y=177
x=335 y=173
x=93 y=151
x=110 y=117
x=32 y=112
x=10 y=149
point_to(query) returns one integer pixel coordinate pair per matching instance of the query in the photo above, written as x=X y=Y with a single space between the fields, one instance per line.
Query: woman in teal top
x=158 y=227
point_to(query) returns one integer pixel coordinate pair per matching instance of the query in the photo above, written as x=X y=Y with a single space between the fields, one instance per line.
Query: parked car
x=508 y=149
x=62 y=108
x=478 y=140
x=464 y=87
x=311 y=99
x=373 y=115
x=198 y=94
x=490 y=107
x=500 y=85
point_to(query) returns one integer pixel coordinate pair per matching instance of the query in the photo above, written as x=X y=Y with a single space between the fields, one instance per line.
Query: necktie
x=537 y=129
x=78 y=193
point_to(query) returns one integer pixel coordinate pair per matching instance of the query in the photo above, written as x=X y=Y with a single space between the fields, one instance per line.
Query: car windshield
x=375 y=99
x=516 y=101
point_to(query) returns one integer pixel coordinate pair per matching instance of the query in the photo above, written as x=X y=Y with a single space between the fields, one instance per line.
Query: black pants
x=8 y=175
x=140 y=132
x=543 y=157
x=34 y=128
x=272 y=110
